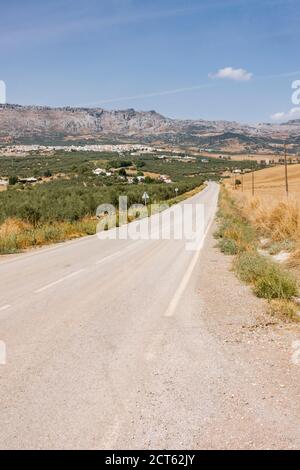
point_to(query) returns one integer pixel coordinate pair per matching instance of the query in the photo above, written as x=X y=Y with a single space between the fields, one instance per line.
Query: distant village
x=46 y=149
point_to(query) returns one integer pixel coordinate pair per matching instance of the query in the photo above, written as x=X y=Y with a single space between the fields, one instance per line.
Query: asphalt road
x=106 y=346
x=80 y=321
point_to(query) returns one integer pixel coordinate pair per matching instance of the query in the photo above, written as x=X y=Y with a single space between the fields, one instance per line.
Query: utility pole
x=286 y=171
x=253 y=165
x=242 y=181
x=253 y=187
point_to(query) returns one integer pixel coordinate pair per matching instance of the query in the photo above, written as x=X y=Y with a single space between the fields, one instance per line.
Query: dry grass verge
x=238 y=235
x=16 y=235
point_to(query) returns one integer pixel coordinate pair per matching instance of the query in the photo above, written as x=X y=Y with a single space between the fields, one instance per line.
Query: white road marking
x=5 y=307
x=117 y=253
x=185 y=280
x=109 y=257
x=48 y=286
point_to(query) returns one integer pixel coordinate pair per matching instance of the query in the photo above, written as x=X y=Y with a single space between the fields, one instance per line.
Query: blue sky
x=211 y=59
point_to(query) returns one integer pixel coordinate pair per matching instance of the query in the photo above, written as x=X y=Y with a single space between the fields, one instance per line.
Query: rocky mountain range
x=35 y=124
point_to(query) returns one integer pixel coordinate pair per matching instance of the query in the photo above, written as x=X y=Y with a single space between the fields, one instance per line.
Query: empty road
x=108 y=346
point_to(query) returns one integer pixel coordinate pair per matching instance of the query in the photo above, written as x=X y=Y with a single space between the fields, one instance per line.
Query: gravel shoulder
x=258 y=389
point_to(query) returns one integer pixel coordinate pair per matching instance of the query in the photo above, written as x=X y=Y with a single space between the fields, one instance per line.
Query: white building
x=99 y=171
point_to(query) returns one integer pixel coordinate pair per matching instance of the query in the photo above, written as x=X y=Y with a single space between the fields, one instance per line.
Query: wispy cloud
x=147 y=95
x=174 y=91
x=49 y=28
x=278 y=75
x=230 y=73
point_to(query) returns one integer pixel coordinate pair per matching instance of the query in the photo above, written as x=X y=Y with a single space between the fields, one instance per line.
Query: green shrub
x=47 y=173
x=250 y=266
x=228 y=247
x=269 y=280
x=12 y=180
x=276 y=284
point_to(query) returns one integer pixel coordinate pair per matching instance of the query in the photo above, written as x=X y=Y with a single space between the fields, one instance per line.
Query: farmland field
x=274 y=215
x=270 y=182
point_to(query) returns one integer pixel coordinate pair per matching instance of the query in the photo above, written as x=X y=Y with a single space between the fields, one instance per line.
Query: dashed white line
x=70 y=276
x=109 y=257
x=5 y=307
x=48 y=286
x=185 y=280
x=117 y=253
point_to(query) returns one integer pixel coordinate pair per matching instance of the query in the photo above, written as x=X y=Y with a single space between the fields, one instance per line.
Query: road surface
x=108 y=346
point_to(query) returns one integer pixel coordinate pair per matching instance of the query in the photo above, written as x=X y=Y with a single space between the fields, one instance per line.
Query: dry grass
x=16 y=235
x=270 y=182
x=274 y=215
x=237 y=236
x=284 y=309
x=276 y=220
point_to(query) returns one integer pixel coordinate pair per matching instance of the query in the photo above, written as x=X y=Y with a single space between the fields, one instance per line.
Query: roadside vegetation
x=239 y=235
x=17 y=235
x=275 y=217
x=62 y=202
x=55 y=212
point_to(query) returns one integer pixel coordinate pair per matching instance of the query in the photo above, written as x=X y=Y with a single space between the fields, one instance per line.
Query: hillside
x=34 y=124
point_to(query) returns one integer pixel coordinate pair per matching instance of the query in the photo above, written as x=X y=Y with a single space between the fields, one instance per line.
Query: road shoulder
x=261 y=385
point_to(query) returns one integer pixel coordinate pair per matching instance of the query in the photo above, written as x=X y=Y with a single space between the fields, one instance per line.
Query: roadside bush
x=234 y=232
x=250 y=266
x=228 y=247
x=276 y=284
x=268 y=279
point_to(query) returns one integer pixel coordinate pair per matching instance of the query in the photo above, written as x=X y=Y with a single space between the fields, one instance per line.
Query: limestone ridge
x=27 y=123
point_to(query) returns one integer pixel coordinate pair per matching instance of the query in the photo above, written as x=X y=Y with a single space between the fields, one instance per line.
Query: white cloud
x=293 y=113
x=239 y=75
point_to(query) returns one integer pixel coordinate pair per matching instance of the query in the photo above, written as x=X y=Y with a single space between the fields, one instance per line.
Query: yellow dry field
x=270 y=183
x=272 y=213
